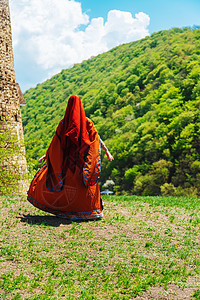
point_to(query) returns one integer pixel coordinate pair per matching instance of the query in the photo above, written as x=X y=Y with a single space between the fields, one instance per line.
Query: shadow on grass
x=50 y=220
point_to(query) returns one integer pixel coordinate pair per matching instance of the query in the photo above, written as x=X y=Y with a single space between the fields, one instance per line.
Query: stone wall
x=9 y=91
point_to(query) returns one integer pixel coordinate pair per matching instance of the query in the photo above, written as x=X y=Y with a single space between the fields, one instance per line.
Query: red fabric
x=65 y=192
x=75 y=141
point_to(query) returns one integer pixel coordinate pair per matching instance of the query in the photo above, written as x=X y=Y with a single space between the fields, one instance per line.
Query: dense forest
x=144 y=98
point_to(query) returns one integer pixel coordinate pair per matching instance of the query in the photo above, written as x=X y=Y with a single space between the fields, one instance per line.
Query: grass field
x=144 y=248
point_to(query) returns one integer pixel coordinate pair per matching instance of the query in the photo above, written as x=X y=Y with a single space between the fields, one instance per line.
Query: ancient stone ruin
x=11 y=96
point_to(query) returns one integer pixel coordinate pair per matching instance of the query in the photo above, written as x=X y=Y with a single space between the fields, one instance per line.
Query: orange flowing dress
x=67 y=184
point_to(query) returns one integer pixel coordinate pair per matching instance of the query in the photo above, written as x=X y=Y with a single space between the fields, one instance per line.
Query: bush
x=186 y=192
x=150 y=183
x=130 y=175
x=10 y=152
x=167 y=189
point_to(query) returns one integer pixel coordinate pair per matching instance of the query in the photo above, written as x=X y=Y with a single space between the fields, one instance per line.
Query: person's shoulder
x=59 y=127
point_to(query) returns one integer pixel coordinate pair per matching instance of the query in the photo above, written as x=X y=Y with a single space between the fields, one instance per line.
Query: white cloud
x=121 y=27
x=51 y=32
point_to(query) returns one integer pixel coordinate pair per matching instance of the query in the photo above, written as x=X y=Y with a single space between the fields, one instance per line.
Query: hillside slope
x=144 y=98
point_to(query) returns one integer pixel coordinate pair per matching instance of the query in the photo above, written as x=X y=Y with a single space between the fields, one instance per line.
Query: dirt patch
x=159 y=220
x=174 y=292
x=107 y=232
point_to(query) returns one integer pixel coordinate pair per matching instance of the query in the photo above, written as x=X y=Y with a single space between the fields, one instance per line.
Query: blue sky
x=164 y=14
x=50 y=35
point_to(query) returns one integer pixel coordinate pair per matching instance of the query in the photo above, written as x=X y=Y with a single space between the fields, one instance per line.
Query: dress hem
x=88 y=215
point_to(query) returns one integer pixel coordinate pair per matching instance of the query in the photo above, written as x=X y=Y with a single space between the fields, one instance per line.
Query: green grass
x=143 y=246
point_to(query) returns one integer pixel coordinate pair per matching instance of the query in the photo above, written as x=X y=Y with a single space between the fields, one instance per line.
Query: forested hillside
x=144 y=98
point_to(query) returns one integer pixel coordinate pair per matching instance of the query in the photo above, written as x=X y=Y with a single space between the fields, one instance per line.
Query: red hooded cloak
x=67 y=184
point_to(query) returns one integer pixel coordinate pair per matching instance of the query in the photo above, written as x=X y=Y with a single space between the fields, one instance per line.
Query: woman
x=67 y=184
